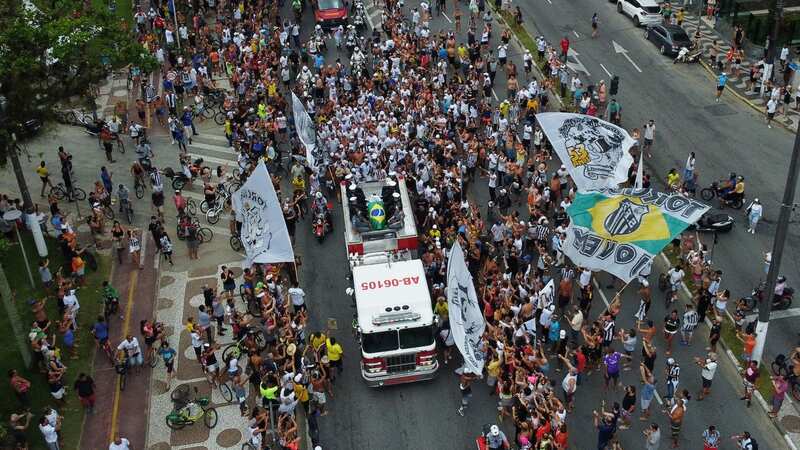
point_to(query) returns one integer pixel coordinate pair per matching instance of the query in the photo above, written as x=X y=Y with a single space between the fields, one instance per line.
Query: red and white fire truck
x=394 y=321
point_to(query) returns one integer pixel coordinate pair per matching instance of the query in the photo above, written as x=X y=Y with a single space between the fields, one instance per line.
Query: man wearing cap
x=709 y=368
x=496 y=439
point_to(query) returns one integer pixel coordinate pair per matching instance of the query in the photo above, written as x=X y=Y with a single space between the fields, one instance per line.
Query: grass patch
x=728 y=335
x=10 y=358
x=530 y=43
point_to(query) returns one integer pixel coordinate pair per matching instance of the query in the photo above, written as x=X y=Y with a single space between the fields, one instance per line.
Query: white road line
x=785 y=314
x=143 y=252
x=211 y=159
x=548 y=1
x=495 y=95
x=631 y=61
x=600 y=291
x=445 y=16
x=576 y=34
x=658 y=398
x=605 y=70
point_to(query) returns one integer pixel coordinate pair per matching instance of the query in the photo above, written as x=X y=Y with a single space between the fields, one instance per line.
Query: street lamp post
x=765 y=303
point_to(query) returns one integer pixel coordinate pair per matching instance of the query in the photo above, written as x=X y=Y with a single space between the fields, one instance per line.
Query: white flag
x=466 y=319
x=264 y=235
x=596 y=153
x=305 y=129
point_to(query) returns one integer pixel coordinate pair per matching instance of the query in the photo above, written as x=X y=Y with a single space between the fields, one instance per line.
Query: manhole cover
x=791 y=423
x=720 y=109
x=228 y=438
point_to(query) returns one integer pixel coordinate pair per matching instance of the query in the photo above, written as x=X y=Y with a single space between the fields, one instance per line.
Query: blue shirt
x=722 y=79
x=186 y=118
x=101 y=330
x=647 y=391
x=167 y=353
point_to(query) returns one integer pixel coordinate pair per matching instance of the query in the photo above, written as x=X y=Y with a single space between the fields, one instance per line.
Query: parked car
x=668 y=38
x=643 y=12
x=330 y=13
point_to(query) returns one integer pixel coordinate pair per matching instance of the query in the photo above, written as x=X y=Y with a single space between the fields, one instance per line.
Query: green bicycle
x=192 y=412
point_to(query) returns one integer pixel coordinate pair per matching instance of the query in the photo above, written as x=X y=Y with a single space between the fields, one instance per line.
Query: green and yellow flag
x=620 y=230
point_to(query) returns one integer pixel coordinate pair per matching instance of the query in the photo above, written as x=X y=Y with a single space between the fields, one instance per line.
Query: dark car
x=668 y=38
x=329 y=13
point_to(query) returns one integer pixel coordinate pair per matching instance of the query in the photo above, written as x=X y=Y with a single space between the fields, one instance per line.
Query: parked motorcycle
x=783 y=301
x=713 y=222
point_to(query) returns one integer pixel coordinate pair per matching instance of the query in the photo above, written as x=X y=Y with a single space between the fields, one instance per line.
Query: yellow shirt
x=493 y=369
x=672 y=179
x=316 y=342
x=441 y=309
x=42 y=172
x=334 y=350
x=739 y=189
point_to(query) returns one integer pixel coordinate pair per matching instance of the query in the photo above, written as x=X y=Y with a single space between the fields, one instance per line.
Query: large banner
x=595 y=152
x=305 y=129
x=264 y=235
x=466 y=320
x=621 y=230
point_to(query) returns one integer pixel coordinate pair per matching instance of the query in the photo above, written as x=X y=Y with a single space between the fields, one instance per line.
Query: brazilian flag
x=377 y=214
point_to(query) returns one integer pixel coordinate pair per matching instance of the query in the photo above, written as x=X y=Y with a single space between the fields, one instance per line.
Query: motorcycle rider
x=496 y=439
x=737 y=193
x=320 y=205
x=780 y=286
x=304 y=77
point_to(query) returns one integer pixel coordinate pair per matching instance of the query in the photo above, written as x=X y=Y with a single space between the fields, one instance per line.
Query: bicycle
x=122 y=370
x=238 y=348
x=192 y=412
x=226 y=391
x=236 y=244
x=138 y=187
x=60 y=192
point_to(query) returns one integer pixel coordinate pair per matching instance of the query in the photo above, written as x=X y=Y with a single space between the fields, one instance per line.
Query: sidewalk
x=790 y=120
x=124 y=412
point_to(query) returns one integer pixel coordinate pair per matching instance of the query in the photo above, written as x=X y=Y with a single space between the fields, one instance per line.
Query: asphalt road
x=726 y=137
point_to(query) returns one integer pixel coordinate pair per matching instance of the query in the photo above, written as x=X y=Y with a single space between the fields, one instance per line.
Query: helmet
x=494 y=430
x=319 y=194
x=781 y=279
x=670 y=361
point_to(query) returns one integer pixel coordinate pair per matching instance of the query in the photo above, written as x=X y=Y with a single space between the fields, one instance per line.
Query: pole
x=25 y=257
x=765 y=306
x=27 y=203
x=773 y=47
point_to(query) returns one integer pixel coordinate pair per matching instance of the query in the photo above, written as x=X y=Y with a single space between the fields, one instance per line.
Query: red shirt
x=544 y=429
x=581 y=361
x=564 y=45
x=561 y=439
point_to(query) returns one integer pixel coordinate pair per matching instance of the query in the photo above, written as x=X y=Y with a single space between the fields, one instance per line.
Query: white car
x=643 y=12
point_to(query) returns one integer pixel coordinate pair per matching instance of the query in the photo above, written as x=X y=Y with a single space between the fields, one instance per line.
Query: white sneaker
x=749 y=230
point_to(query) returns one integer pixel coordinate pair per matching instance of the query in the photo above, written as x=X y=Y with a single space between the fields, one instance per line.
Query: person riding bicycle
x=138 y=172
x=109 y=292
x=100 y=331
x=210 y=194
x=184 y=223
x=130 y=345
x=144 y=152
x=123 y=196
x=180 y=203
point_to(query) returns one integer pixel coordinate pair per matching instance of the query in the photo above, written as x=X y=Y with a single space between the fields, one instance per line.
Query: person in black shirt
x=671 y=325
x=84 y=386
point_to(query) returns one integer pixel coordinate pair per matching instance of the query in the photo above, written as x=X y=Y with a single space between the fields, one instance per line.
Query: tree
x=53 y=54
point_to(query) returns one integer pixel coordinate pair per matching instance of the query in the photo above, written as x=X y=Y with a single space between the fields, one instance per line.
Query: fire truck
x=394 y=322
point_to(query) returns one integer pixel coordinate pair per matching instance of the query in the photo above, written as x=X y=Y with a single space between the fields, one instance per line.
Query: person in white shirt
x=130 y=345
x=708 y=368
x=49 y=434
x=754 y=213
x=120 y=443
x=772 y=106
x=298 y=297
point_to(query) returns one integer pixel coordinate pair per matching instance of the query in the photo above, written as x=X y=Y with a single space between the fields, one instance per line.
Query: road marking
x=605 y=70
x=600 y=291
x=445 y=16
x=125 y=326
x=620 y=49
x=548 y=1
x=495 y=95
x=211 y=159
x=576 y=34
x=577 y=65
x=784 y=314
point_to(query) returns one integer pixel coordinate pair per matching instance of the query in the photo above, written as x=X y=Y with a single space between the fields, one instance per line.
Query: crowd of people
x=412 y=102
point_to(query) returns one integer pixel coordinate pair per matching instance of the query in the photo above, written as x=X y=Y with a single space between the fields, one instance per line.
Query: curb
x=759 y=398
x=744 y=99
x=499 y=17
